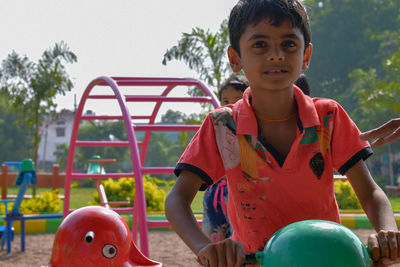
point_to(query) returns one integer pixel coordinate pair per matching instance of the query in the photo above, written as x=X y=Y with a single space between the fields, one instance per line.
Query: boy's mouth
x=275 y=71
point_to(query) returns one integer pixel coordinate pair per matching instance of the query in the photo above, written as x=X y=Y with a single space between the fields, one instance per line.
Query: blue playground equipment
x=26 y=176
x=7 y=201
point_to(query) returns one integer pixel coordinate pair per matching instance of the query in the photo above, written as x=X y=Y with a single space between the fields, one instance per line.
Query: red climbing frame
x=138 y=159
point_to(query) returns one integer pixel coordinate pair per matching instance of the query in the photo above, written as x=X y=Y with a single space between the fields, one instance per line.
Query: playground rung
x=148 y=170
x=137 y=81
x=78 y=175
x=141 y=117
x=152 y=98
x=127 y=209
x=102 y=97
x=111 y=203
x=158 y=170
x=102 y=143
x=166 y=127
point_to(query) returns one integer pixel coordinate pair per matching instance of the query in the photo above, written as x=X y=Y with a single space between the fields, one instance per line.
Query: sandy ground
x=165 y=246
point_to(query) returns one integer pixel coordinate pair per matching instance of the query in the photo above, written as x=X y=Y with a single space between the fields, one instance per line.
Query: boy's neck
x=273 y=105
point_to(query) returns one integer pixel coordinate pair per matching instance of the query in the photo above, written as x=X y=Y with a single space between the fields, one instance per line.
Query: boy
x=276 y=146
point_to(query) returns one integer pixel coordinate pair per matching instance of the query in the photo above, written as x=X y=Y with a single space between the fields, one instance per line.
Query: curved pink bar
x=138 y=159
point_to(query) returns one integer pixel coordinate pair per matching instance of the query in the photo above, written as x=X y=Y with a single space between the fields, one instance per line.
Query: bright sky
x=111 y=38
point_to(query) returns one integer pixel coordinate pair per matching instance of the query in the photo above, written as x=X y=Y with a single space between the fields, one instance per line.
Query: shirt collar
x=246 y=122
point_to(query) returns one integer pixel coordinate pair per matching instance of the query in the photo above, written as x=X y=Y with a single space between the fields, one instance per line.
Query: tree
x=204 y=52
x=173 y=117
x=32 y=87
x=377 y=89
x=378 y=93
x=15 y=135
x=343 y=38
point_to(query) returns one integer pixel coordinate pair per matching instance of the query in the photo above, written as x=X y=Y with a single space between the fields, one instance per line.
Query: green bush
x=123 y=189
x=345 y=196
x=45 y=202
x=162 y=183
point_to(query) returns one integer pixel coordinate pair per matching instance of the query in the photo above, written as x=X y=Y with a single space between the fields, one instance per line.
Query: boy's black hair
x=251 y=12
x=302 y=83
x=238 y=82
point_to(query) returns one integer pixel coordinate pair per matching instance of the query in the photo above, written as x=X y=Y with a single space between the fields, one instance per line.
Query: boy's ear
x=234 y=60
x=307 y=57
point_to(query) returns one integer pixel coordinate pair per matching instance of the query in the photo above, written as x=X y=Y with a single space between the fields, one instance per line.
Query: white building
x=55 y=131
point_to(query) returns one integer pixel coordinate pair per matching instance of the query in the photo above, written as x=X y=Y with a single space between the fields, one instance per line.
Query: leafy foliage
x=46 y=202
x=15 y=135
x=124 y=189
x=32 y=87
x=377 y=89
x=344 y=38
x=204 y=52
x=345 y=196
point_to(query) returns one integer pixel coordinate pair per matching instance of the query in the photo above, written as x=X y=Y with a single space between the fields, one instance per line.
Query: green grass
x=197 y=204
x=395 y=201
x=81 y=197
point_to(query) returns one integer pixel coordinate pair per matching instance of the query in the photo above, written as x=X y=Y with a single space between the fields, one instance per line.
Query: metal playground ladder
x=138 y=156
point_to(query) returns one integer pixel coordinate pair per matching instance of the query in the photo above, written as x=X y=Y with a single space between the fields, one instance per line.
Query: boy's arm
x=376 y=205
x=179 y=212
x=180 y=215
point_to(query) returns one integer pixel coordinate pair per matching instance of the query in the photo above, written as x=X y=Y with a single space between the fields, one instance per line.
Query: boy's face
x=271 y=57
x=230 y=95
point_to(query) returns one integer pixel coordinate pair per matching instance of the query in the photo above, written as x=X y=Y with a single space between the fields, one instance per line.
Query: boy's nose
x=276 y=55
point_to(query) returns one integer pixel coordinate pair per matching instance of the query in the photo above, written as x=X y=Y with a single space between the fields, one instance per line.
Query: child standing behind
x=277 y=147
x=215 y=218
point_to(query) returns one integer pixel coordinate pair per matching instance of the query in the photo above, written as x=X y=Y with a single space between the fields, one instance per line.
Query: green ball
x=315 y=243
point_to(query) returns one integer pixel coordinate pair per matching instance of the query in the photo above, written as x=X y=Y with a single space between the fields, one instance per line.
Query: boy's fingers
x=230 y=253
x=398 y=244
x=382 y=131
x=221 y=254
x=212 y=260
x=240 y=255
x=393 y=246
x=373 y=246
x=393 y=137
x=383 y=244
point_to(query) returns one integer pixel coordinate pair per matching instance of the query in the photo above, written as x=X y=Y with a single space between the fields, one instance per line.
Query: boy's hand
x=385 y=134
x=226 y=253
x=384 y=247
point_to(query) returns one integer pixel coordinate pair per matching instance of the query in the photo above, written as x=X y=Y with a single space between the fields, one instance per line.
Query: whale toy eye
x=89 y=237
x=109 y=251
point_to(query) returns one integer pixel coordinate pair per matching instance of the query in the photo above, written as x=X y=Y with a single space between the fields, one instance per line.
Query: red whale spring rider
x=96 y=236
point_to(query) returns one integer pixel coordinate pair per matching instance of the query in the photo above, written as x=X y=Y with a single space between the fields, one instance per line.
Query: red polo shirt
x=267 y=191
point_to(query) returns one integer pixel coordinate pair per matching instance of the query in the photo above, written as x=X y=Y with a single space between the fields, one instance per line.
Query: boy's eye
x=225 y=102
x=289 y=44
x=259 y=45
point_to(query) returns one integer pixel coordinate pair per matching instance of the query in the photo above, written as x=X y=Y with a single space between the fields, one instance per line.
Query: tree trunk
x=36 y=142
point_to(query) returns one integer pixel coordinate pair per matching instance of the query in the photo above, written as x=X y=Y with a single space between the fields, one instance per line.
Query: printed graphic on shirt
x=317 y=165
x=249 y=158
x=224 y=116
x=310 y=136
x=225 y=137
x=325 y=132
